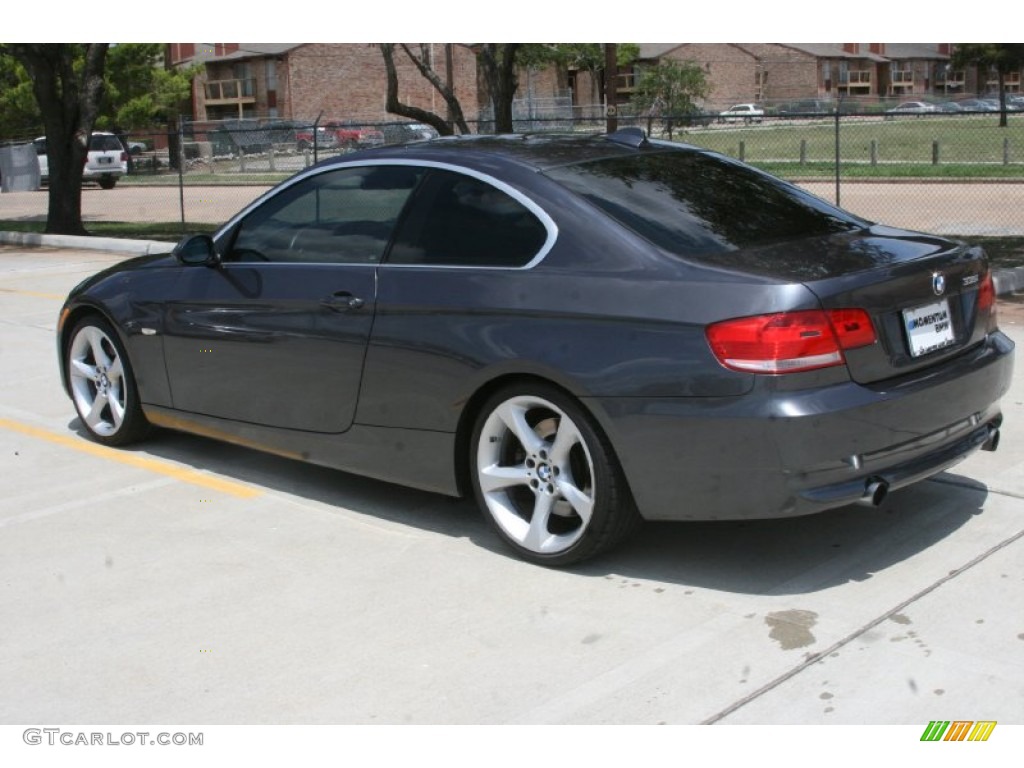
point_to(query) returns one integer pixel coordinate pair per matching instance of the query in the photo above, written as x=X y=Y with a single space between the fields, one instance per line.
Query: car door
x=276 y=334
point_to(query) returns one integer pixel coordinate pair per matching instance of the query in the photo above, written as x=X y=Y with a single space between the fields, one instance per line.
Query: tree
x=19 y=113
x=670 y=91
x=67 y=80
x=140 y=92
x=498 y=65
x=443 y=87
x=1003 y=57
x=582 y=57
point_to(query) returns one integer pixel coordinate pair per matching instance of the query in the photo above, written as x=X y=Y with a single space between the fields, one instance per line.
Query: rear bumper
x=777 y=454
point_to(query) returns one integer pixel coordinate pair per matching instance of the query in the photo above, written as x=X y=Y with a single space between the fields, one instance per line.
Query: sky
x=528 y=21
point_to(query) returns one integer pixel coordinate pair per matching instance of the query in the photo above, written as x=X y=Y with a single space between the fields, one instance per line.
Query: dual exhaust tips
x=876 y=488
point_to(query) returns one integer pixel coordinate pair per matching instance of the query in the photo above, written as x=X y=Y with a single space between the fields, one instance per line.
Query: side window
x=345 y=216
x=459 y=220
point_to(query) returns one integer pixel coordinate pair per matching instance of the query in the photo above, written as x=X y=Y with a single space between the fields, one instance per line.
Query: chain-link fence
x=954 y=173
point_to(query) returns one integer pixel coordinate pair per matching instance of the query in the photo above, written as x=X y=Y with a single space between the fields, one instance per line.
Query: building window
x=271 y=71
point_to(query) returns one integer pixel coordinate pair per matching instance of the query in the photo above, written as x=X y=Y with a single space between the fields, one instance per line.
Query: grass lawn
x=170 y=231
x=909 y=147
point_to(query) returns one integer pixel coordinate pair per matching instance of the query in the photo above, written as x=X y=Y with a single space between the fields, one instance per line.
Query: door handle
x=342 y=301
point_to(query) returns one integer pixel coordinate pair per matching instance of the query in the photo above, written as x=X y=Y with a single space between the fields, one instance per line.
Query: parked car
x=567 y=328
x=280 y=131
x=911 y=108
x=976 y=105
x=339 y=134
x=805 y=108
x=240 y=137
x=105 y=162
x=745 y=112
x=948 y=106
x=696 y=117
x=400 y=133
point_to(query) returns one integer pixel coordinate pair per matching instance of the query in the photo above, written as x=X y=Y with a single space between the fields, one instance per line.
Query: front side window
x=460 y=220
x=346 y=216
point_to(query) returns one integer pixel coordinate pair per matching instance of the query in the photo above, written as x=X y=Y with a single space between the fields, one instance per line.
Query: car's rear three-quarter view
x=580 y=332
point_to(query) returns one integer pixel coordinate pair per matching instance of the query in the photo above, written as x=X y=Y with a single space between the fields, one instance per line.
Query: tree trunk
x=67 y=80
x=498 y=62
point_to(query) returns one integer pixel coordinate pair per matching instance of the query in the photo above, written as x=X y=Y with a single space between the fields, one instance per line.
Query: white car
x=911 y=108
x=749 y=113
x=106 y=162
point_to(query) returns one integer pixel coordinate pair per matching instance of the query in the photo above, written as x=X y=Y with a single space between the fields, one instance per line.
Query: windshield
x=698 y=204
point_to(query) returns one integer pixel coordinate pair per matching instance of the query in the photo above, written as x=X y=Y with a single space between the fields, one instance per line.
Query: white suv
x=106 y=162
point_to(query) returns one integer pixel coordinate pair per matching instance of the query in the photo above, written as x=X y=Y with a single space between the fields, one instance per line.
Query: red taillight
x=987 y=301
x=789 y=342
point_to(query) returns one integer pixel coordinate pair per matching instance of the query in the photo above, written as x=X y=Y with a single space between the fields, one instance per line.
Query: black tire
x=546 y=478
x=108 y=183
x=102 y=384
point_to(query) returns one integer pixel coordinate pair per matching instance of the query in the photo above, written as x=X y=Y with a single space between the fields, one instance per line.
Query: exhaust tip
x=875 y=491
x=993 y=440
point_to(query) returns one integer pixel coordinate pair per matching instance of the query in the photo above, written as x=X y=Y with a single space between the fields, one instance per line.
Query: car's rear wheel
x=102 y=384
x=547 y=479
x=108 y=183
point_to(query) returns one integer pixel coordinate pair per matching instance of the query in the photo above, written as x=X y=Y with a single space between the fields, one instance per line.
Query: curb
x=1007 y=281
x=111 y=244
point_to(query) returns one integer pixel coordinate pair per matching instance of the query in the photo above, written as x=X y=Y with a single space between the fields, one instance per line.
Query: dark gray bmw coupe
x=582 y=332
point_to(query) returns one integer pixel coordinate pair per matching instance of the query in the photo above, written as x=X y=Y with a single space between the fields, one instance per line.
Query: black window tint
x=104 y=144
x=458 y=220
x=344 y=217
x=696 y=204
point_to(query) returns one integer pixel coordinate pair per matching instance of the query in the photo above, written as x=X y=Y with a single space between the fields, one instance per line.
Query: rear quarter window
x=700 y=205
x=459 y=220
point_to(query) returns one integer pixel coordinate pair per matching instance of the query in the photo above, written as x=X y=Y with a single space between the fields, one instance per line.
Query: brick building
x=347 y=81
x=333 y=80
x=772 y=73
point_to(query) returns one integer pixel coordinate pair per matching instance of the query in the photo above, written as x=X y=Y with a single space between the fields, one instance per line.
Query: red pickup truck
x=333 y=134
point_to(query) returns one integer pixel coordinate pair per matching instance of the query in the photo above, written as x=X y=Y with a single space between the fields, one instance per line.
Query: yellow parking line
x=34 y=294
x=134 y=460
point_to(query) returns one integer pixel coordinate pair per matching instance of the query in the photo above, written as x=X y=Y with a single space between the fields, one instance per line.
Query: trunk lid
x=925 y=295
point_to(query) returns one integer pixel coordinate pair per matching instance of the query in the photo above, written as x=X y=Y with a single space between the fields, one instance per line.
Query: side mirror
x=196 y=250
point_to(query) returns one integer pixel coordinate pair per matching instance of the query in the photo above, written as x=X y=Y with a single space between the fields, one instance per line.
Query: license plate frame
x=929 y=328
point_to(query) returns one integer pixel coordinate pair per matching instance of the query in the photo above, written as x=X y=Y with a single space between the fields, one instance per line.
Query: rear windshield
x=693 y=203
x=104 y=144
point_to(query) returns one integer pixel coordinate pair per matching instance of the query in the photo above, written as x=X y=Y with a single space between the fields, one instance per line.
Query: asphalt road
x=186 y=581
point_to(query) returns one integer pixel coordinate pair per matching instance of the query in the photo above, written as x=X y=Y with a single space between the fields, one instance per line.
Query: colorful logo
x=958 y=730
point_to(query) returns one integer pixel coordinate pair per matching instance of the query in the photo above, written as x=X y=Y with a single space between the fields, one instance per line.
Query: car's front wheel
x=102 y=384
x=547 y=479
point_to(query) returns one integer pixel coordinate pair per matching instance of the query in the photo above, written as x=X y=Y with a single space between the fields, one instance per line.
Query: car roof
x=539 y=152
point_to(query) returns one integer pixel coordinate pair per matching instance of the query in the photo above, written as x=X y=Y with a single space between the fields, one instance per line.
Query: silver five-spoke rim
x=97 y=381
x=536 y=474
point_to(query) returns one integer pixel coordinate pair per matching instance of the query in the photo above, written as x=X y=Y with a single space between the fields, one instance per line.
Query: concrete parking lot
x=186 y=581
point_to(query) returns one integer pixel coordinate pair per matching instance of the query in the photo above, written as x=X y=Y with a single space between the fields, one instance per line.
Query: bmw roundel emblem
x=938 y=283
